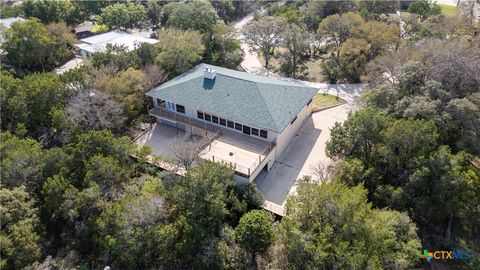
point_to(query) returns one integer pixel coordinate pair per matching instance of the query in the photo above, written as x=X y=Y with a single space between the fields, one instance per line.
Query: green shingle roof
x=249 y=99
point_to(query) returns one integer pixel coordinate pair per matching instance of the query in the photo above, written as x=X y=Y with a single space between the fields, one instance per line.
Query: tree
x=186 y=150
x=64 y=43
x=407 y=140
x=22 y=162
x=18 y=235
x=31 y=101
x=338 y=28
x=358 y=136
x=264 y=34
x=126 y=87
x=296 y=39
x=124 y=16
x=9 y=11
x=372 y=9
x=139 y=219
x=445 y=184
x=146 y=52
x=201 y=208
x=180 y=50
x=52 y=11
x=330 y=225
x=254 y=233
x=117 y=57
x=225 y=9
x=95 y=110
x=196 y=15
x=424 y=9
x=28 y=47
x=154 y=13
x=222 y=48
x=90 y=8
x=466 y=116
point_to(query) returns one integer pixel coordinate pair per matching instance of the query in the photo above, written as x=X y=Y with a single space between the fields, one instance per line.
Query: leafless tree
x=95 y=110
x=265 y=34
x=186 y=149
x=455 y=63
x=384 y=69
x=154 y=75
x=324 y=171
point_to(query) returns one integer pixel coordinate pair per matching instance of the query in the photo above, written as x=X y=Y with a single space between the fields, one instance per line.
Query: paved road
x=251 y=64
x=307 y=149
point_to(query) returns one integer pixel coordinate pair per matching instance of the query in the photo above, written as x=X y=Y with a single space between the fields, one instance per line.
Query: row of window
x=227 y=123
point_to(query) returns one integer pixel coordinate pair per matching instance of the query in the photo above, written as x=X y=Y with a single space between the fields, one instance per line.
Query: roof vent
x=209 y=73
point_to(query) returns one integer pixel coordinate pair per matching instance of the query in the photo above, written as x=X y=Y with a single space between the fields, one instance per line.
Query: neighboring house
x=249 y=119
x=98 y=43
x=6 y=23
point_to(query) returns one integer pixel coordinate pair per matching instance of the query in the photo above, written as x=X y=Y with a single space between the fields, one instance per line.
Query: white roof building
x=98 y=43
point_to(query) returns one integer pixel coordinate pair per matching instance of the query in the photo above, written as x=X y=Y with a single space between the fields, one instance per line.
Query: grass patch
x=321 y=101
x=447 y=9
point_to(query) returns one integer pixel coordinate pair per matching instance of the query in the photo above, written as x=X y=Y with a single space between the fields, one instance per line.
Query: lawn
x=447 y=9
x=321 y=101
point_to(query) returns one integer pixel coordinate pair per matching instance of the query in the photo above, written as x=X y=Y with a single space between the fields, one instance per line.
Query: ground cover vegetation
x=406 y=176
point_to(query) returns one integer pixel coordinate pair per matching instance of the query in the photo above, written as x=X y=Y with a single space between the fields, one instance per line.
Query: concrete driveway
x=305 y=151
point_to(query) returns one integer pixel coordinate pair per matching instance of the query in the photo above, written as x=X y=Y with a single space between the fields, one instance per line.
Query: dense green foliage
x=424 y=9
x=180 y=50
x=254 y=232
x=412 y=145
x=332 y=226
x=31 y=46
x=124 y=16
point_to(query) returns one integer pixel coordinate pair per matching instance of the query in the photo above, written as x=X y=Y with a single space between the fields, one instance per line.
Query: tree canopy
x=30 y=46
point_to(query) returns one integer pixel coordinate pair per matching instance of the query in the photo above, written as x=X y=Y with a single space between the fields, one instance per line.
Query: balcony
x=244 y=153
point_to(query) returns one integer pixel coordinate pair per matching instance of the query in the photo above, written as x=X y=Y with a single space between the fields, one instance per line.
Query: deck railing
x=178 y=117
x=218 y=131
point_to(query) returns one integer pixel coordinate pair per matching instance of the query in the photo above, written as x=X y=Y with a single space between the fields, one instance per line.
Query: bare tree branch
x=186 y=149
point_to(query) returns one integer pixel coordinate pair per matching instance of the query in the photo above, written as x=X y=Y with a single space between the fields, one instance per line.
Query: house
x=249 y=119
x=98 y=43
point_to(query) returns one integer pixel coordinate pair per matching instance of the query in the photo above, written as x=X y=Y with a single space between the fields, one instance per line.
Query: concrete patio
x=305 y=151
x=243 y=152
x=159 y=138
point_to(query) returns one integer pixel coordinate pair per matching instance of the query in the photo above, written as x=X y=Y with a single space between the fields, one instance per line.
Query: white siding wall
x=269 y=160
x=284 y=139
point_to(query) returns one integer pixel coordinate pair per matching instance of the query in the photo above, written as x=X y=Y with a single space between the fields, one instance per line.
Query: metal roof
x=99 y=43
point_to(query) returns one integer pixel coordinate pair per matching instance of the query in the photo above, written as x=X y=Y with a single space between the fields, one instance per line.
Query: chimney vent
x=209 y=73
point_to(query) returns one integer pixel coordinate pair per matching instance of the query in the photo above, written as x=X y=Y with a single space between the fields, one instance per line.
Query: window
x=238 y=126
x=223 y=122
x=180 y=109
x=263 y=133
x=309 y=102
x=160 y=103
x=293 y=120
x=230 y=124
x=246 y=130
x=214 y=119
x=207 y=117
x=200 y=114
x=255 y=131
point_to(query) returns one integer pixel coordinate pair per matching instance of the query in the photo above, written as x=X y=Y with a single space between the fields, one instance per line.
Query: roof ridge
x=267 y=106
